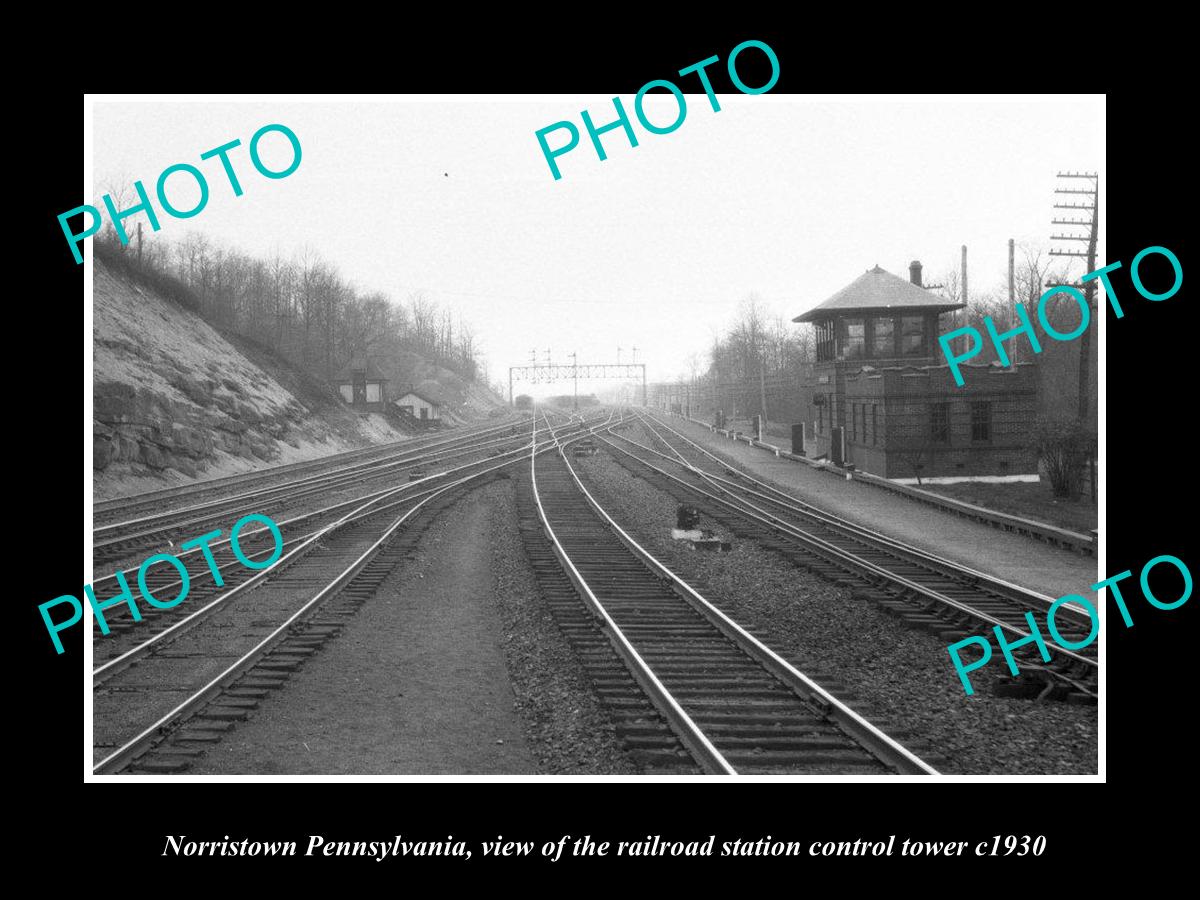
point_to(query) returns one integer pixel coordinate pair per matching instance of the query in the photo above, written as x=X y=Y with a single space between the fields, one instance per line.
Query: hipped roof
x=878 y=289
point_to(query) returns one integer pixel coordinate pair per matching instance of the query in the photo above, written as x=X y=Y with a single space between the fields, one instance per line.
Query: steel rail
x=127 y=752
x=103 y=673
x=250 y=532
x=183 y=490
x=321 y=481
x=998 y=587
x=886 y=749
x=692 y=737
x=301 y=545
x=1007 y=590
x=852 y=529
x=932 y=561
x=847 y=560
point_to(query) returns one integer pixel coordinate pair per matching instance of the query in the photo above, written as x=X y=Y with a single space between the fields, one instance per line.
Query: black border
x=1149 y=492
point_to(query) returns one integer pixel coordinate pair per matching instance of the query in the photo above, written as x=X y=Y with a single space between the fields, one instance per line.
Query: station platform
x=1032 y=564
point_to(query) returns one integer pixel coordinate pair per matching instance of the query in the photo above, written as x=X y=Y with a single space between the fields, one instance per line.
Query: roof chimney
x=914 y=273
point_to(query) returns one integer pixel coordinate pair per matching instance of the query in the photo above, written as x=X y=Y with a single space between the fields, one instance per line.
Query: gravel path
x=1032 y=564
x=455 y=667
x=894 y=670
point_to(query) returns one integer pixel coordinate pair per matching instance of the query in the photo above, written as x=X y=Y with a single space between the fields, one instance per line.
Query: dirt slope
x=174 y=399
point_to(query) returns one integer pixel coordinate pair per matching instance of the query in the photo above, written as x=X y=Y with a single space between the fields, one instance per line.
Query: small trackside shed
x=362 y=385
x=419 y=406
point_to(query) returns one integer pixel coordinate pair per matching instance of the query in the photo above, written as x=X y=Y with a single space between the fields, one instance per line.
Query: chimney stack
x=914 y=273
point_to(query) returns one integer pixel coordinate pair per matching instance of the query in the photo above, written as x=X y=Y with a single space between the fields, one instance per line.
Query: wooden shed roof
x=420 y=395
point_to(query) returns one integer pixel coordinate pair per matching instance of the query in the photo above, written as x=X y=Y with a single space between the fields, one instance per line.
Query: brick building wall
x=901 y=422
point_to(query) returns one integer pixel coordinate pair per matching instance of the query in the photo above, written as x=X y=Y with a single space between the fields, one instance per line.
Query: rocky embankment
x=174 y=399
x=139 y=427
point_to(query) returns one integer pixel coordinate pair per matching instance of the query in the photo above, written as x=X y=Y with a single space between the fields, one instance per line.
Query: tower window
x=883 y=341
x=939 y=423
x=912 y=336
x=981 y=420
x=854 y=343
x=825 y=343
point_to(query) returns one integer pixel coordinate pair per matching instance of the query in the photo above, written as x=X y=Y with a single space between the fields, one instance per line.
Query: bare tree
x=915 y=458
x=423 y=314
x=120 y=190
x=304 y=309
x=949 y=285
x=1032 y=272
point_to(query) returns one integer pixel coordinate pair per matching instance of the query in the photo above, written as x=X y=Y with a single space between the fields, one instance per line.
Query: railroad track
x=131 y=540
x=923 y=588
x=255 y=542
x=165 y=704
x=135 y=506
x=129 y=639
x=718 y=699
x=120 y=540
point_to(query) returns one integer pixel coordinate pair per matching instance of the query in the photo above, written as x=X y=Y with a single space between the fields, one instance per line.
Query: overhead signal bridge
x=543 y=374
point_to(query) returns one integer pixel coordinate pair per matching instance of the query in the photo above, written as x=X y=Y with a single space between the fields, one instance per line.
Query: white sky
x=786 y=198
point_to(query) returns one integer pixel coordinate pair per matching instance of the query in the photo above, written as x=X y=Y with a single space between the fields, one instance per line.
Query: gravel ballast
x=565 y=725
x=893 y=669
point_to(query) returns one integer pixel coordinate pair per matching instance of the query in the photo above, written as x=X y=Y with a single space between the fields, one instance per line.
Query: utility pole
x=1012 y=285
x=575 y=375
x=964 y=276
x=1091 y=225
x=762 y=392
x=966 y=316
x=618 y=356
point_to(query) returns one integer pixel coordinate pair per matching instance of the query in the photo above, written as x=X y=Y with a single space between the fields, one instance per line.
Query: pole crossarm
x=1092 y=223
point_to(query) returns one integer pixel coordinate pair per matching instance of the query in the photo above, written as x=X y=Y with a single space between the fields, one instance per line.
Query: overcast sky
x=785 y=198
